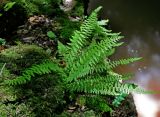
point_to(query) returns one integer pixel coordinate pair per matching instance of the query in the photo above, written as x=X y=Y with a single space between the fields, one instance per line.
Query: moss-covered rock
x=42 y=96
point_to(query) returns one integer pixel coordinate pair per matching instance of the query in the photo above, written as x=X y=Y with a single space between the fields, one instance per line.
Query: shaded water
x=139 y=22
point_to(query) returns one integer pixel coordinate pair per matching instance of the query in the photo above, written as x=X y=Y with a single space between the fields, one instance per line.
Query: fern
x=85 y=65
x=114 y=64
x=101 y=86
x=44 y=68
x=79 y=39
x=118 y=99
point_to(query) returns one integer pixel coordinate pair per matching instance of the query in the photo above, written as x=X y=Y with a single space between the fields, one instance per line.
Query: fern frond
x=79 y=39
x=44 y=68
x=93 y=54
x=118 y=99
x=62 y=49
x=99 y=67
x=114 y=64
x=101 y=86
x=103 y=31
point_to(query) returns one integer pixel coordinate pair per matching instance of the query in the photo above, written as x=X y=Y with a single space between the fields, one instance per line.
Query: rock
x=68 y=5
x=126 y=109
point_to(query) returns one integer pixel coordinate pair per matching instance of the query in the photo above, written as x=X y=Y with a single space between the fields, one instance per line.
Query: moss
x=20 y=50
x=32 y=7
x=87 y=113
x=41 y=95
x=18 y=58
x=15 y=110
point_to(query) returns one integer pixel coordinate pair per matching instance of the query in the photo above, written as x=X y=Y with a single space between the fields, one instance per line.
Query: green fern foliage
x=114 y=64
x=81 y=38
x=44 y=68
x=103 y=88
x=118 y=99
x=84 y=65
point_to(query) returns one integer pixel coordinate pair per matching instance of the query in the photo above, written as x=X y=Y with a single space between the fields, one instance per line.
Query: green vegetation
x=74 y=78
x=117 y=101
x=81 y=73
x=8 y=6
x=2 y=41
x=51 y=35
x=39 y=6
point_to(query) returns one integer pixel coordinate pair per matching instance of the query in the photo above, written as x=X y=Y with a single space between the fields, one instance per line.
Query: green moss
x=15 y=110
x=47 y=7
x=87 y=113
x=41 y=96
x=19 y=51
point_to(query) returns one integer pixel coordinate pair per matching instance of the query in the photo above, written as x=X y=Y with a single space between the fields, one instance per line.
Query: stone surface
x=126 y=109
